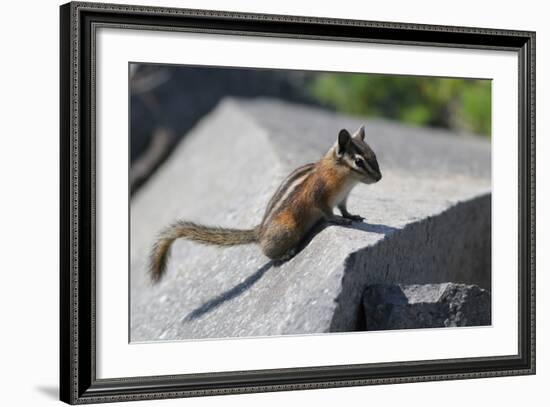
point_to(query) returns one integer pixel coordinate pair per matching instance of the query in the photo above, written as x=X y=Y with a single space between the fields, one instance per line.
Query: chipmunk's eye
x=359 y=162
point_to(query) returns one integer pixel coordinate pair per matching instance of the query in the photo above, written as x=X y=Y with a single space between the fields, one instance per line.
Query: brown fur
x=302 y=208
x=333 y=177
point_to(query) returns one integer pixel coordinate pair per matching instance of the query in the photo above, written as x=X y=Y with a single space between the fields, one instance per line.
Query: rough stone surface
x=425 y=306
x=427 y=221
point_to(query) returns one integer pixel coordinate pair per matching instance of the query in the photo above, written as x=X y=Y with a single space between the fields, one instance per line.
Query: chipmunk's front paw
x=337 y=220
x=356 y=218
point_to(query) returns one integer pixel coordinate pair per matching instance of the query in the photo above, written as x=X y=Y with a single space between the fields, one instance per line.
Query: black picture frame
x=78 y=382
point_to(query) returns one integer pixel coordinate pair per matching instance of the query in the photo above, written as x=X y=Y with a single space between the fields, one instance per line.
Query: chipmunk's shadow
x=372 y=228
x=247 y=283
x=363 y=226
x=237 y=290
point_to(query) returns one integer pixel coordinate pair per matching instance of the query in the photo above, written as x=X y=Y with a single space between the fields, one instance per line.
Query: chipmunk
x=307 y=195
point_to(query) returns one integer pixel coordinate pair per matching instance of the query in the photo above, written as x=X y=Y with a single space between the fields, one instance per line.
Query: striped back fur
x=289 y=185
x=198 y=233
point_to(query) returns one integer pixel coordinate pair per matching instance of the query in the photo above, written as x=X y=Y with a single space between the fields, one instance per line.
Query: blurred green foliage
x=457 y=104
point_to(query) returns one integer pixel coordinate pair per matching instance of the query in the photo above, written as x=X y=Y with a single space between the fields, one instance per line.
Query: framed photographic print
x=256 y=203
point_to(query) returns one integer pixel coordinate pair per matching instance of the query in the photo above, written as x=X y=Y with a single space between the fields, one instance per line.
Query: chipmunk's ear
x=360 y=134
x=344 y=138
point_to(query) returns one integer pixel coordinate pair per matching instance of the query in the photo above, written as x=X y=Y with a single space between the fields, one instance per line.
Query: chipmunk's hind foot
x=278 y=242
x=285 y=257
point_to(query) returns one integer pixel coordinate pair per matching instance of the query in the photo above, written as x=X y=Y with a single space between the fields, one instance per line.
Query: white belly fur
x=343 y=193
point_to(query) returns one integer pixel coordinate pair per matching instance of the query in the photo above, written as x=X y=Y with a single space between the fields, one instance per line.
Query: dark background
x=168 y=100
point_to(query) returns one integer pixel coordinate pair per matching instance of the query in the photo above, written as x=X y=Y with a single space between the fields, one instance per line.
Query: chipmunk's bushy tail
x=198 y=233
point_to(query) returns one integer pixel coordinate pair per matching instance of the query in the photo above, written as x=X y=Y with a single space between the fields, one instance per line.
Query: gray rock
x=425 y=306
x=427 y=221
